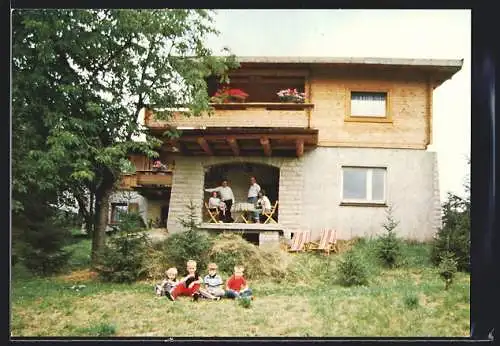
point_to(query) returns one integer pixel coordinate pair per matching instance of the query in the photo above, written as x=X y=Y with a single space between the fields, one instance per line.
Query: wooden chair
x=271 y=214
x=299 y=241
x=212 y=214
x=327 y=242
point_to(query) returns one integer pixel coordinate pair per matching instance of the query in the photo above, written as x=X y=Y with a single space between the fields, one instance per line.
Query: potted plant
x=229 y=95
x=291 y=95
x=159 y=166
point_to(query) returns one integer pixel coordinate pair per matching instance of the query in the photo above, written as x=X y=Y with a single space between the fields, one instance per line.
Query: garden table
x=244 y=208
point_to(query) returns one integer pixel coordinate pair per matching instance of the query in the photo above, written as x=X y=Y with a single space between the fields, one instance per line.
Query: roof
x=440 y=69
x=349 y=60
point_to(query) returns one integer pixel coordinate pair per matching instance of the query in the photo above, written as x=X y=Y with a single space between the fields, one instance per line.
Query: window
x=368 y=106
x=117 y=210
x=363 y=185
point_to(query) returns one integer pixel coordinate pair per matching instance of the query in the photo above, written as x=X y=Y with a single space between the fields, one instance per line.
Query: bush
x=125 y=251
x=388 y=249
x=411 y=301
x=190 y=244
x=38 y=239
x=230 y=249
x=351 y=271
x=454 y=236
x=447 y=268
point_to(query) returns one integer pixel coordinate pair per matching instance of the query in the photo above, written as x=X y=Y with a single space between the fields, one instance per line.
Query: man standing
x=253 y=192
x=227 y=196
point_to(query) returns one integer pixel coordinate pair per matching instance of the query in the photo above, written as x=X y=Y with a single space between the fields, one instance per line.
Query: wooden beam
x=204 y=145
x=266 y=144
x=283 y=137
x=299 y=143
x=234 y=145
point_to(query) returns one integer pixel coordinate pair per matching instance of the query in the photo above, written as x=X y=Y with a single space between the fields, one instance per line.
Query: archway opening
x=238 y=178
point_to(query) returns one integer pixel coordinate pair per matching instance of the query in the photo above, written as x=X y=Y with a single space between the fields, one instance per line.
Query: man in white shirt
x=227 y=196
x=253 y=192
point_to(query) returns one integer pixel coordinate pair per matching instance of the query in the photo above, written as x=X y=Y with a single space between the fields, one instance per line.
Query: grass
x=406 y=301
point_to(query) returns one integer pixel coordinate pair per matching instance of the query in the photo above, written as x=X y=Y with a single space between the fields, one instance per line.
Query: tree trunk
x=101 y=216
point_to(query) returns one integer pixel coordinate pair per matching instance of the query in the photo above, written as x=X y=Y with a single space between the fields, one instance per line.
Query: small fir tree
x=447 y=268
x=388 y=248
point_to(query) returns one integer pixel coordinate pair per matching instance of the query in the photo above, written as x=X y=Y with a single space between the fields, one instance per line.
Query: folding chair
x=213 y=215
x=299 y=241
x=271 y=213
x=327 y=242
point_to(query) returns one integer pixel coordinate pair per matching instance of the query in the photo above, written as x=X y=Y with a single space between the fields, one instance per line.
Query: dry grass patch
x=79 y=276
x=153 y=316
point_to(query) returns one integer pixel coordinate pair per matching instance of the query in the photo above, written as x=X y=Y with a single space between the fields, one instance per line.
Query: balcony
x=262 y=114
x=146 y=179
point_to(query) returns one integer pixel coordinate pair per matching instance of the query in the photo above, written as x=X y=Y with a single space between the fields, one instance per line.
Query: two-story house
x=357 y=144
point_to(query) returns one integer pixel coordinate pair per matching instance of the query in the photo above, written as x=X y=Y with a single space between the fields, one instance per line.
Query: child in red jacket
x=236 y=285
x=187 y=286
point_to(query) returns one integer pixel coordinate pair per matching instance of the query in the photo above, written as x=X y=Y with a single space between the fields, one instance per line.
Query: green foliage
x=454 y=236
x=447 y=268
x=38 y=241
x=122 y=258
x=411 y=301
x=388 y=245
x=245 y=302
x=80 y=80
x=190 y=244
x=101 y=329
x=351 y=271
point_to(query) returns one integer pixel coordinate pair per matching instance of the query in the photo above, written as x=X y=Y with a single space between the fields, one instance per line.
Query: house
x=357 y=144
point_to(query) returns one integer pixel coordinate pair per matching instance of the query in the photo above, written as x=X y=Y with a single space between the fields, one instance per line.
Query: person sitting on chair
x=263 y=204
x=214 y=204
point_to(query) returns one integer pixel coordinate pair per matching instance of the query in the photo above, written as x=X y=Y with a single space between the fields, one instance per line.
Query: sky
x=418 y=34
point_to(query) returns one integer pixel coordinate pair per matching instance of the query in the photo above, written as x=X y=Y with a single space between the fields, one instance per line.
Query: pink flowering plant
x=291 y=95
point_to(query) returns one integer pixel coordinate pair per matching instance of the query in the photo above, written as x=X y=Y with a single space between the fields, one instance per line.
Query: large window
x=364 y=185
x=368 y=106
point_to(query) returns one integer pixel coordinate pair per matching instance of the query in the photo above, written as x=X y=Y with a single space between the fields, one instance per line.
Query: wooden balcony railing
x=146 y=179
x=265 y=114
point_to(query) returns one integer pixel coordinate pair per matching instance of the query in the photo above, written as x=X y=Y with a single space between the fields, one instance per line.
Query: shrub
x=454 y=236
x=38 y=240
x=190 y=244
x=411 y=301
x=123 y=256
x=351 y=271
x=245 y=302
x=230 y=249
x=388 y=247
x=447 y=268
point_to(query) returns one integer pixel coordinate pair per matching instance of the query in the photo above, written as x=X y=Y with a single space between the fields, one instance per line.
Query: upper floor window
x=368 y=106
x=364 y=185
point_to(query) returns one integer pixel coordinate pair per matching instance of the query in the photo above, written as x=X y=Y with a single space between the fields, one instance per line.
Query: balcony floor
x=242 y=227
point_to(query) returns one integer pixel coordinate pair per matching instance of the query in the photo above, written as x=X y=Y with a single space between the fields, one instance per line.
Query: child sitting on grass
x=213 y=284
x=188 y=285
x=168 y=284
x=236 y=285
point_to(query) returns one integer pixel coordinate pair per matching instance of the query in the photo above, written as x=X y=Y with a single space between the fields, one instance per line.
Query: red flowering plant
x=291 y=95
x=227 y=94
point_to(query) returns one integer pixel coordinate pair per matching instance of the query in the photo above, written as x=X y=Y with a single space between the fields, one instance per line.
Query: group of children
x=211 y=287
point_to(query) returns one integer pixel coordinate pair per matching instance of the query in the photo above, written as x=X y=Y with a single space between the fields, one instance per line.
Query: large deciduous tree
x=80 y=80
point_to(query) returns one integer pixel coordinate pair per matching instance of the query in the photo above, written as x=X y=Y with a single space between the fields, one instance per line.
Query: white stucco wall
x=412 y=188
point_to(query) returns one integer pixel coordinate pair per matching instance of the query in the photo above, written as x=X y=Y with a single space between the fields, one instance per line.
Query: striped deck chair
x=299 y=241
x=327 y=242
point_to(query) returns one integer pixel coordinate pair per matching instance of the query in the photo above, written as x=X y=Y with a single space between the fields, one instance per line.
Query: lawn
x=407 y=301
